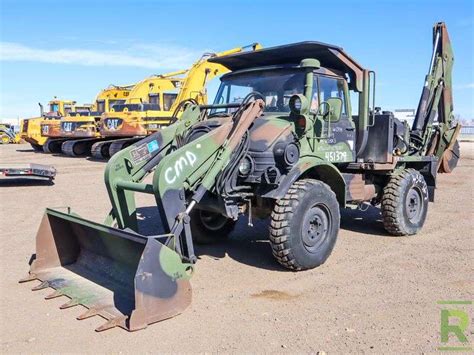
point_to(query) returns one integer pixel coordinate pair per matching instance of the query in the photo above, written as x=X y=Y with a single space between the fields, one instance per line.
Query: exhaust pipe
x=41 y=109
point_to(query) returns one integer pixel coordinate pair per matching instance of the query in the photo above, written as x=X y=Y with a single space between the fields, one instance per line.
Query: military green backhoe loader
x=279 y=142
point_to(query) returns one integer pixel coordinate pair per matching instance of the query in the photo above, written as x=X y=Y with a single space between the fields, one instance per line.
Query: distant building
x=405 y=114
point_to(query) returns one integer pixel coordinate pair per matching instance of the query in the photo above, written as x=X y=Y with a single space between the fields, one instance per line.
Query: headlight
x=245 y=166
x=298 y=104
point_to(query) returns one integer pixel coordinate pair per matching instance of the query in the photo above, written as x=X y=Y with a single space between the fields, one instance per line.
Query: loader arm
x=436 y=105
x=126 y=169
x=180 y=171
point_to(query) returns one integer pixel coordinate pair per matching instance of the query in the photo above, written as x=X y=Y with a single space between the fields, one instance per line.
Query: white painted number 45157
x=336 y=156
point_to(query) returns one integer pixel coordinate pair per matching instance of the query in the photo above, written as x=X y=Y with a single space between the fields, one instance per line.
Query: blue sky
x=72 y=49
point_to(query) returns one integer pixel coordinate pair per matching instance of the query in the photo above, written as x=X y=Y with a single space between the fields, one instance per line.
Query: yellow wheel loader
x=30 y=128
x=8 y=134
x=75 y=133
x=157 y=101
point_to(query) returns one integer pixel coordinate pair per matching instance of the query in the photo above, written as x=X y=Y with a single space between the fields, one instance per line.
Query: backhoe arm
x=436 y=103
x=436 y=98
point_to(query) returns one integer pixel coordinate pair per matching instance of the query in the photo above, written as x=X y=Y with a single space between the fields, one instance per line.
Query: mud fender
x=316 y=168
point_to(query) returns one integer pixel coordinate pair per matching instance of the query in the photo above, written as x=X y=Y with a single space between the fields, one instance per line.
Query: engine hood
x=266 y=131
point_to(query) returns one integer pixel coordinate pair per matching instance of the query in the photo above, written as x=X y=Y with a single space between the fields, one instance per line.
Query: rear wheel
x=304 y=225
x=405 y=203
x=209 y=227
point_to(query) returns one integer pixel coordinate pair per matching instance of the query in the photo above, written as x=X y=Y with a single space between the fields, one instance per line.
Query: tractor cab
x=305 y=85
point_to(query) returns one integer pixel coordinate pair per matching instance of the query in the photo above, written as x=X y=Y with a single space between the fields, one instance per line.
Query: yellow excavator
x=156 y=102
x=75 y=133
x=30 y=128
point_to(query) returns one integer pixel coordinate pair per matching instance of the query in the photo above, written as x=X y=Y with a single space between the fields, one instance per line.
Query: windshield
x=115 y=102
x=276 y=86
x=101 y=106
x=168 y=100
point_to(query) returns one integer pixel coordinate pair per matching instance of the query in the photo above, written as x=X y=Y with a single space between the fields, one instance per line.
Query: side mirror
x=331 y=109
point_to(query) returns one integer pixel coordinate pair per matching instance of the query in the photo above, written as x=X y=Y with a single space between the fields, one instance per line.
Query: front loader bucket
x=129 y=279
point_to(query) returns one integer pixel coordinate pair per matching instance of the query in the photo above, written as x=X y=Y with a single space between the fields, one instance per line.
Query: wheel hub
x=413 y=205
x=315 y=227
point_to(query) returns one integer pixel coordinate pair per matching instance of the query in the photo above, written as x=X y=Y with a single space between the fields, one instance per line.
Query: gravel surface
x=376 y=293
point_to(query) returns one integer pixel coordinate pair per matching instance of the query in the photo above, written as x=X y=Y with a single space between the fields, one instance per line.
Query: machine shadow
x=366 y=222
x=31 y=150
x=247 y=245
x=101 y=160
x=17 y=182
x=250 y=245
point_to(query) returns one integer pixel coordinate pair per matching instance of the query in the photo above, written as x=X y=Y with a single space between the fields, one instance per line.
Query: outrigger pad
x=129 y=279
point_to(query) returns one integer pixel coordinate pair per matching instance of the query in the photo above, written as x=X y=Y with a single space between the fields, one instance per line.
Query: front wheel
x=304 y=225
x=405 y=203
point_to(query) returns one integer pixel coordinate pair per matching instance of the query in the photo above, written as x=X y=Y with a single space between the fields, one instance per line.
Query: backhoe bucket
x=129 y=279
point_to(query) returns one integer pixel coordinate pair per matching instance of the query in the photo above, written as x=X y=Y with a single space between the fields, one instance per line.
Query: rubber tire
x=286 y=234
x=394 y=211
x=204 y=235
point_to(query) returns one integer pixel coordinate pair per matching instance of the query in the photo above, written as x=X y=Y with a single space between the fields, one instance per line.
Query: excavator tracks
x=105 y=149
x=120 y=144
x=100 y=150
x=53 y=145
x=78 y=147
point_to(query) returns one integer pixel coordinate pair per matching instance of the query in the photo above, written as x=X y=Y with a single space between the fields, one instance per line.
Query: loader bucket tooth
x=41 y=286
x=28 y=278
x=128 y=279
x=112 y=323
x=91 y=312
x=55 y=294
x=69 y=304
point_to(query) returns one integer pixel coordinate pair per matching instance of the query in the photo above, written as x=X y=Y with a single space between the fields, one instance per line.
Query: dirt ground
x=376 y=293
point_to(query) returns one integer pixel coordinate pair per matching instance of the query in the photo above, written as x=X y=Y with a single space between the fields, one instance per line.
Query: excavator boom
x=157 y=101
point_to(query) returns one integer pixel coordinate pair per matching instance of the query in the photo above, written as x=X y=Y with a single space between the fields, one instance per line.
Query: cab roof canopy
x=330 y=56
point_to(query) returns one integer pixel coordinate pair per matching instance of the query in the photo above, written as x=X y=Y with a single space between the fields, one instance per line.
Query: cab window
x=101 y=106
x=67 y=109
x=315 y=96
x=115 y=102
x=276 y=86
x=332 y=87
x=54 y=108
x=154 y=99
x=168 y=100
